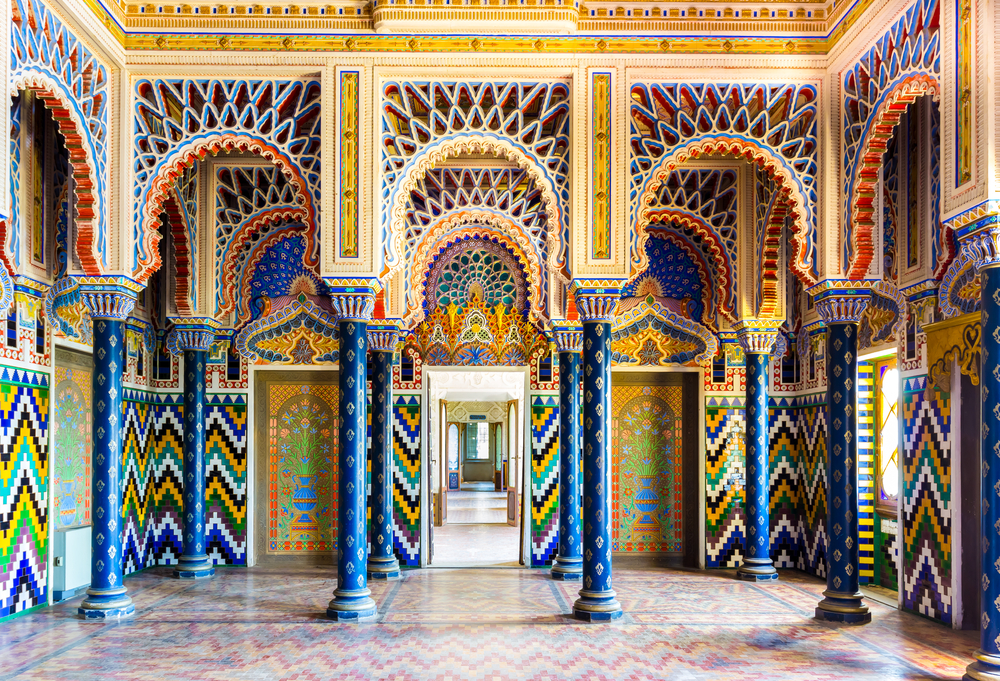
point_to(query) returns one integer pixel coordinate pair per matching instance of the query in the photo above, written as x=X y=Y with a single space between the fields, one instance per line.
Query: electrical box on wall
x=71 y=564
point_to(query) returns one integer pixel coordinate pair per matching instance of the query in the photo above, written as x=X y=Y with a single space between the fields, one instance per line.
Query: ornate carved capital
x=110 y=297
x=756 y=336
x=191 y=333
x=383 y=335
x=568 y=335
x=841 y=301
x=596 y=299
x=353 y=298
x=983 y=247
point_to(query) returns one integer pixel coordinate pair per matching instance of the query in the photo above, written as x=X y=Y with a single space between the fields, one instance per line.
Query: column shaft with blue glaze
x=568 y=563
x=109 y=306
x=757 y=340
x=352 y=599
x=983 y=248
x=193 y=337
x=596 y=304
x=382 y=563
x=841 y=309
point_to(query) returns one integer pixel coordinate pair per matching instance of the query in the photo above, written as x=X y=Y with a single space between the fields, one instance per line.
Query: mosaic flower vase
x=646 y=502
x=304 y=500
x=67 y=505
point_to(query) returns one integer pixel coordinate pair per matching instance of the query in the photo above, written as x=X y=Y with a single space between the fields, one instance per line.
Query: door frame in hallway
x=439 y=380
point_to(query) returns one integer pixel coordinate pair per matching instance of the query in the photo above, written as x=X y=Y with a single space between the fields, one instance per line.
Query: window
x=477 y=441
x=887 y=435
x=232 y=363
x=40 y=333
x=452 y=447
x=719 y=366
x=12 y=326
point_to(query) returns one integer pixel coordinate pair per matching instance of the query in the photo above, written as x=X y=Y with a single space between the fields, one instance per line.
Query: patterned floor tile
x=476 y=624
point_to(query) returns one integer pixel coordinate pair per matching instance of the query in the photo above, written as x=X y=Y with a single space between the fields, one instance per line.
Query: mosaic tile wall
x=785 y=484
x=925 y=509
x=725 y=469
x=406 y=478
x=24 y=456
x=646 y=468
x=544 y=479
x=137 y=476
x=71 y=423
x=866 y=472
x=226 y=479
x=887 y=551
x=167 y=482
x=812 y=472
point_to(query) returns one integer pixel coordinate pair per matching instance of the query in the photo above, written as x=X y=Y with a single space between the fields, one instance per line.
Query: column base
x=106 y=604
x=351 y=606
x=757 y=570
x=384 y=569
x=844 y=608
x=985 y=668
x=567 y=569
x=597 y=606
x=194 y=567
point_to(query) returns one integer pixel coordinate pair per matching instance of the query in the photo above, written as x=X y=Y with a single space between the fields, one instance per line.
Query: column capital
x=982 y=247
x=109 y=297
x=383 y=334
x=568 y=335
x=757 y=336
x=191 y=333
x=841 y=301
x=353 y=298
x=596 y=299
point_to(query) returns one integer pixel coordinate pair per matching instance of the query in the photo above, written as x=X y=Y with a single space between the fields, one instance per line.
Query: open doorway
x=476 y=470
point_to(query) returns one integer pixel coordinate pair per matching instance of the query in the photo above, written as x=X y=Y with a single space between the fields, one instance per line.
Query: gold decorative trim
x=349 y=156
x=959 y=339
x=601 y=165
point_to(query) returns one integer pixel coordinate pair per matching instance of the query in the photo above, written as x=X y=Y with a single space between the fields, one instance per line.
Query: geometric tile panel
x=544 y=479
x=406 y=478
x=926 y=501
x=812 y=471
x=167 y=484
x=725 y=470
x=24 y=519
x=137 y=475
x=866 y=472
x=785 y=487
x=226 y=484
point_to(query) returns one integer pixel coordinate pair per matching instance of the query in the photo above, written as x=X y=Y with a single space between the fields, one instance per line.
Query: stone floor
x=477 y=507
x=478 y=624
x=490 y=545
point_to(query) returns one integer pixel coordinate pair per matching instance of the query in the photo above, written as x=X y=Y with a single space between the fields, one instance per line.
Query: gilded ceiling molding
x=88 y=209
x=183 y=157
x=481 y=224
x=880 y=127
x=438 y=153
x=724 y=145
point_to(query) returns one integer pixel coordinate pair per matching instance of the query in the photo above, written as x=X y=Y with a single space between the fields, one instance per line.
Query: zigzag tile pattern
x=226 y=483
x=812 y=472
x=406 y=478
x=137 y=476
x=725 y=469
x=926 y=501
x=167 y=484
x=24 y=518
x=785 y=487
x=866 y=472
x=544 y=479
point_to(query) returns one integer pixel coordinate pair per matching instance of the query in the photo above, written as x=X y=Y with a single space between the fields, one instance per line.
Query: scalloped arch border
x=739 y=147
x=182 y=157
x=87 y=207
x=490 y=225
x=439 y=152
x=880 y=126
x=723 y=282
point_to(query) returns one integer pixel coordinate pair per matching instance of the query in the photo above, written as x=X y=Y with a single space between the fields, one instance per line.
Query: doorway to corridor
x=476 y=461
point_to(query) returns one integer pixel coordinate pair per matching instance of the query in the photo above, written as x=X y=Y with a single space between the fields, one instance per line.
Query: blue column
x=841 y=310
x=597 y=601
x=757 y=341
x=569 y=561
x=986 y=255
x=352 y=598
x=109 y=307
x=193 y=337
x=382 y=563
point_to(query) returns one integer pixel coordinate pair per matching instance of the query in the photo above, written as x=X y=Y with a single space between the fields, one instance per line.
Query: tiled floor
x=480 y=624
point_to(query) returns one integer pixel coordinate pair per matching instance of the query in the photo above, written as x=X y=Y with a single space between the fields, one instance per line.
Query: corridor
x=497 y=624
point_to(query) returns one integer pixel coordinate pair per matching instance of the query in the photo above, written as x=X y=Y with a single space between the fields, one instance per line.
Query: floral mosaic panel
x=71 y=467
